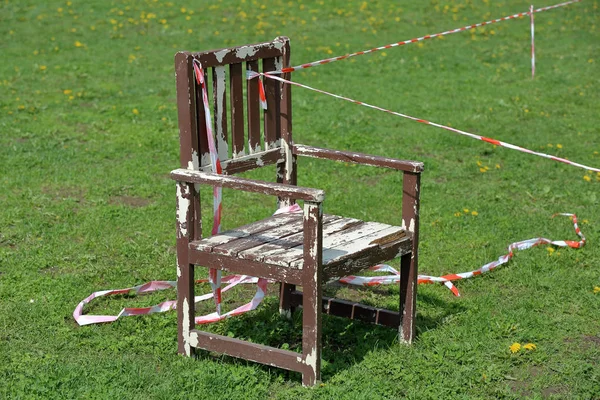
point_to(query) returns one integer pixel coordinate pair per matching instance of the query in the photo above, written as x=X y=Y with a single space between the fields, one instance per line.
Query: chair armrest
x=359 y=158
x=249 y=185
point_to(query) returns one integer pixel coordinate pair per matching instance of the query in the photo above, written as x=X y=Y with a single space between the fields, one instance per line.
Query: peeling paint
x=311 y=359
x=289 y=161
x=194 y=164
x=186 y=327
x=220 y=75
x=411 y=227
x=221 y=54
x=246 y=51
x=183 y=206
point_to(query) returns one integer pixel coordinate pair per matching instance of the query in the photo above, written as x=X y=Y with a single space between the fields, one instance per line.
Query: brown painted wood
x=253 y=106
x=353 y=310
x=294 y=256
x=360 y=261
x=358 y=158
x=246 y=163
x=411 y=188
x=236 y=76
x=185 y=271
x=248 y=185
x=245 y=267
x=249 y=351
x=234 y=55
x=331 y=224
x=312 y=279
x=271 y=114
x=209 y=243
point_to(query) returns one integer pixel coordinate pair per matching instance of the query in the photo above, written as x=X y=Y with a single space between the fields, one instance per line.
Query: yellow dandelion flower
x=559 y=146
x=457 y=214
x=67 y=91
x=474 y=213
x=515 y=347
x=479 y=164
x=482 y=170
x=530 y=346
x=497 y=166
x=587 y=178
x=187 y=18
x=71 y=97
x=189 y=31
x=596 y=289
x=550 y=250
x=466 y=210
x=21 y=107
x=135 y=111
x=43 y=67
x=78 y=44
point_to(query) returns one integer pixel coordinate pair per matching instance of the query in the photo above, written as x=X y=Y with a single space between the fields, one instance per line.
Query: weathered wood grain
x=249 y=185
x=359 y=158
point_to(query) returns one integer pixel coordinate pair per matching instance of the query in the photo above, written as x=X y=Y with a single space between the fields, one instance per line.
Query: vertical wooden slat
x=286 y=171
x=202 y=138
x=271 y=114
x=253 y=105
x=312 y=293
x=236 y=94
x=220 y=107
x=411 y=188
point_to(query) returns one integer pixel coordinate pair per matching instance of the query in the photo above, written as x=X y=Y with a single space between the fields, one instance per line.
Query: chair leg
x=311 y=333
x=185 y=309
x=285 y=293
x=408 y=297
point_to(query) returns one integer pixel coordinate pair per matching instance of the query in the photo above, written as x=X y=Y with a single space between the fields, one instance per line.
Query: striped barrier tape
x=447 y=280
x=234 y=280
x=415 y=40
x=214 y=274
x=253 y=74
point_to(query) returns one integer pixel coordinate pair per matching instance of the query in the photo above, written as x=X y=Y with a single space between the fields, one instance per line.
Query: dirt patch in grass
x=131 y=201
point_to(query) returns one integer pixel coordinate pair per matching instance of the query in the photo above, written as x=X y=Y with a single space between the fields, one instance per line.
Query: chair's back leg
x=411 y=188
x=286 y=171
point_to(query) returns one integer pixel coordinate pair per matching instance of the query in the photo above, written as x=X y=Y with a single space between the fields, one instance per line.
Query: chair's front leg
x=411 y=188
x=185 y=270
x=312 y=293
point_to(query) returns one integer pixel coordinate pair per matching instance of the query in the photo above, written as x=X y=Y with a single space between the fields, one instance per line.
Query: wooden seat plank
x=284 y=258
x=331 y=224
x=225 y=237
x=259 y=238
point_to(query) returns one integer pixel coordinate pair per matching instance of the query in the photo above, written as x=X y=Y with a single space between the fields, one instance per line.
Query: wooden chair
x=306 y=250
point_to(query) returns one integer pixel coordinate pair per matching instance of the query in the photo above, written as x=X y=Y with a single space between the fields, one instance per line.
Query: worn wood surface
x=249 y=351
x=249 y=185
x=359 y=158
x=247 y=162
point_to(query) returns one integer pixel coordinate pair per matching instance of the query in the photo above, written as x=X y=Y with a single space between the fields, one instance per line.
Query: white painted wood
x=225 y=237
x=220 y=115
x=290 y=256
x=331 y=223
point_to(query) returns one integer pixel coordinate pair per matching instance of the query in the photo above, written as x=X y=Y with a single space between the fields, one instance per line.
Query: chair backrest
x=246 y=136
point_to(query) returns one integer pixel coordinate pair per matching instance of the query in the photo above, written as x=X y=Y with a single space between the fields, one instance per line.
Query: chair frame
x=281 y=151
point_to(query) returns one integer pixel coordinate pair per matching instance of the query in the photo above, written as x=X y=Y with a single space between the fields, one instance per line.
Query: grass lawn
x=88 y=136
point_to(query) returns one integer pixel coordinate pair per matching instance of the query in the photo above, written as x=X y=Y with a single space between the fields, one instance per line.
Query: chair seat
x=349 y=244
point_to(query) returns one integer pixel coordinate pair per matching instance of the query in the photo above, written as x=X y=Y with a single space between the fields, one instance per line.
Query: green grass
x=86 y=203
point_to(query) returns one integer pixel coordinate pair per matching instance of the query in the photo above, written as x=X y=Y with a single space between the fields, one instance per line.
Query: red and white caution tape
x=213 y=274
x=415 y=40
x=252 y=75
x=532 y=42
x=447 y=280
